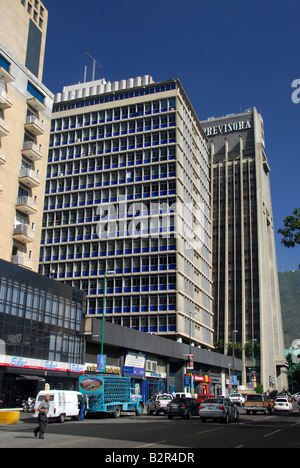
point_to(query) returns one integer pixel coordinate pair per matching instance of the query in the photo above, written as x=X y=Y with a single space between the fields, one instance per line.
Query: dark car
x=184 y=407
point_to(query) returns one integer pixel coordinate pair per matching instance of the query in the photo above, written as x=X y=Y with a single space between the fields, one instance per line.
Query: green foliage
x=259 y=389
x=293 y=373
x=291 y=232
x=221 y=347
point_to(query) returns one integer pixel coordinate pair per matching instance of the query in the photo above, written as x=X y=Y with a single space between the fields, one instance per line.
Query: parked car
x=283 y=404
x=184 y=407
x=183 y=395
x=63 y=403
x=286 y=395
x=259 y=404
x=237 y=399
x=159 y=404
x=219 y=408
x=201 y=397
x=296 y=397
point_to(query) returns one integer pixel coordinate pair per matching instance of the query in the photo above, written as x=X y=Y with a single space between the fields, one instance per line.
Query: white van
x=63 y=403
x=183 y=395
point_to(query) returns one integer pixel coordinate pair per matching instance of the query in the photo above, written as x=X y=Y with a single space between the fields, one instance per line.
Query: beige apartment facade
x=25 y=114
x=23 y=32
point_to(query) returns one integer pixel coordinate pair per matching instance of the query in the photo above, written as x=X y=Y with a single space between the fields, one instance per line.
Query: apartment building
x=246 y=306
x=127 y=206
x=25 y=114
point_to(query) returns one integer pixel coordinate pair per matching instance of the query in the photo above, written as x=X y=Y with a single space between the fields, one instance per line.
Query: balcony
x=26 y=205
x=5 y=99
x=34 y=125
x=36 y=104
x=22 y=234
x=21 y=261
x=29 y=178
x=32 y=151
x=5 y=75
x=2 y=157
x=3 y=128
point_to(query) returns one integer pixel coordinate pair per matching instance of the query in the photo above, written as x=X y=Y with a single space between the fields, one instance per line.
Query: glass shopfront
x=41 y=332
x=39 y=317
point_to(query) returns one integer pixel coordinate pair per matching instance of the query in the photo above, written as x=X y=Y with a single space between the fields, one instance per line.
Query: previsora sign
x=222 y=129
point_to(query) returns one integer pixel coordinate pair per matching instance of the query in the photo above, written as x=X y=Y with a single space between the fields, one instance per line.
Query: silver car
x=219 y=408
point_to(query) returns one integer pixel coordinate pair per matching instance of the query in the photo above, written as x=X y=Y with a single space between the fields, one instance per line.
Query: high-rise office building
x=246 y=306
x=128 y=198
x=25 y=114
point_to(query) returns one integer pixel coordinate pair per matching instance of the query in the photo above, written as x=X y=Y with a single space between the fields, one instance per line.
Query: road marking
x=272 y=433
x=210 y=430
x=149 y=445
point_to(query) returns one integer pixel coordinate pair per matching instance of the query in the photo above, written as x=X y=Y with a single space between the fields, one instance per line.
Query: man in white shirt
x=43 y=410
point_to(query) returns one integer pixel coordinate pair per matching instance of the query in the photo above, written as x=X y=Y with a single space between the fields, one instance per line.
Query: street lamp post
x=234 y=332
x=253 y=339
x=191 y=314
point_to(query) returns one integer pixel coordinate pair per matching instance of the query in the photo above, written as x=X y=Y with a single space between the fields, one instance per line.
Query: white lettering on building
x=227 y=128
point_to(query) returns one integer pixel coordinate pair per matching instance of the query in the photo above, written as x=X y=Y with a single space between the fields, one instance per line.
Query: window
x=32 y=90
x=4 y=64
x=34 y=43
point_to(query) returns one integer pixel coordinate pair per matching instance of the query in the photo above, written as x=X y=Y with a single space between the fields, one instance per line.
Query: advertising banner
x=47 y=365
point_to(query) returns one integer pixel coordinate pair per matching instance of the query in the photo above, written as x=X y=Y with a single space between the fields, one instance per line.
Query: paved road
x=158 y=433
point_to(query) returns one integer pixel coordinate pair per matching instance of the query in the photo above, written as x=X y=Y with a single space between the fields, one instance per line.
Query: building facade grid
x=130 y=163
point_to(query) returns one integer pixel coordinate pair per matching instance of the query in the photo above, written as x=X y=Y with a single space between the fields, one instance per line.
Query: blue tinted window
x=33 y=49
x=4 y=64
x=32 y=90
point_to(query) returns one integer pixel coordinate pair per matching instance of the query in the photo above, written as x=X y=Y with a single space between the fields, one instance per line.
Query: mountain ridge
x=289 y=284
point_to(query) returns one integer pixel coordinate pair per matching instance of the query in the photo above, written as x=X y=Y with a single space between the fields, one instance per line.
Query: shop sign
x=28 y=363
x=134 y=371
x=135 y=360
x=201 y=378
x=109 y=369
x=134 y=364
x=156 y=375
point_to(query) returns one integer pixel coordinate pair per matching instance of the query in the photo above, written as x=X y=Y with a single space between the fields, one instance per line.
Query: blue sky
x=229 y=55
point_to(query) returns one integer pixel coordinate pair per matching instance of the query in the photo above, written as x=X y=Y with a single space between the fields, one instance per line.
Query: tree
x=293 y=373
x=291 y=232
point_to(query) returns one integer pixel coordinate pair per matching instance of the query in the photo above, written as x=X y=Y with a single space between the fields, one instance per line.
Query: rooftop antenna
x=94 y=65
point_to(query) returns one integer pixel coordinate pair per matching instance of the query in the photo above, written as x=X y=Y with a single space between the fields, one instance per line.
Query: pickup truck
x=237 y=399
x=159 y=404
x=259 y=404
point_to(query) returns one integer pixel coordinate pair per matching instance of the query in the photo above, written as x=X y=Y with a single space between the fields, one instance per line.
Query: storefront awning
x=30 y=377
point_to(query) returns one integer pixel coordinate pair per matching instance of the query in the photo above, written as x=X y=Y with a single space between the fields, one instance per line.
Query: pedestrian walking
x=82 y=406
x=43 y=410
